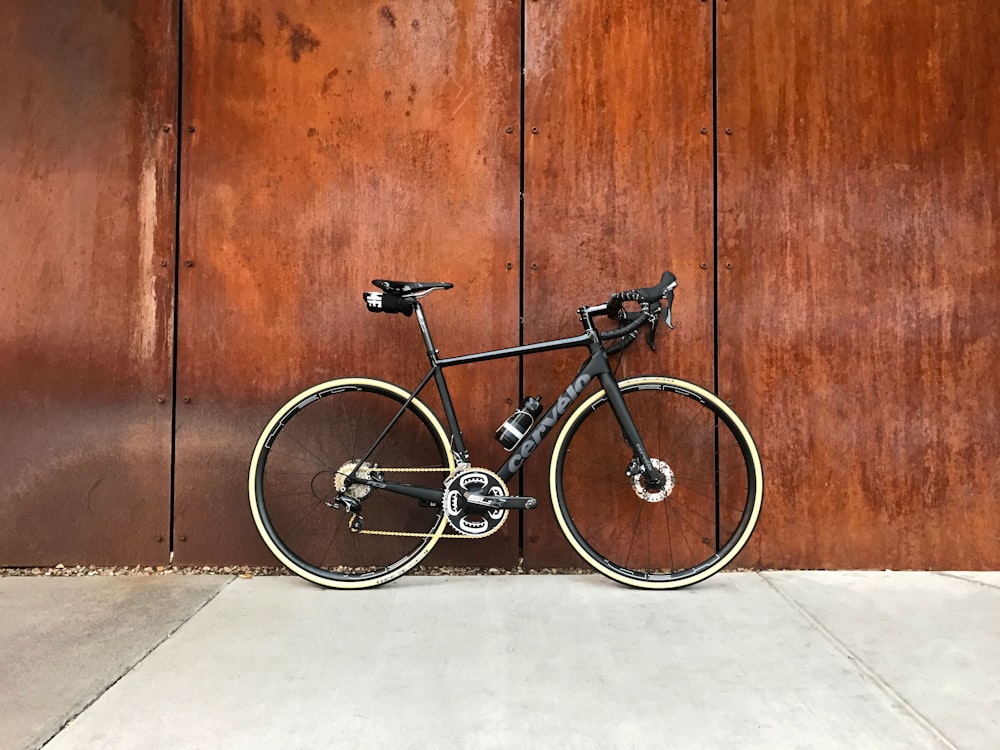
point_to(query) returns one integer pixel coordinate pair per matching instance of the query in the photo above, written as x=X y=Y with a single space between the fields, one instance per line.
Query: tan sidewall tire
x=583 y=410
x=372 y=384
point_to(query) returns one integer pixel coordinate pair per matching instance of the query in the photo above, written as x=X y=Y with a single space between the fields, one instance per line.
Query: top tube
x=584 y=339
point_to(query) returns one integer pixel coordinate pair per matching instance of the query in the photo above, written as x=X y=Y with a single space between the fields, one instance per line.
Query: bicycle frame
x=596 y=366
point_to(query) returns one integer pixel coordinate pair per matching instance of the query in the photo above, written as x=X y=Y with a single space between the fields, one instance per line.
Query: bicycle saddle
x=410 y=288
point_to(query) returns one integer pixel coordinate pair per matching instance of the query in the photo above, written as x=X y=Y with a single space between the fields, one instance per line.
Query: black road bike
x=655 y=481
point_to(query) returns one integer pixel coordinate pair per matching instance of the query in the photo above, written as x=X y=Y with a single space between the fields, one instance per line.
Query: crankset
x=476 y=502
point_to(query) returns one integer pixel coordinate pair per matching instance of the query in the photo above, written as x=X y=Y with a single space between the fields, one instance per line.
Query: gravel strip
x=246 y=571
x=78 y=571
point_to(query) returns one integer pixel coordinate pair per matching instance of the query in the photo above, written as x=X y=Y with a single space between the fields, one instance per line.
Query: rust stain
x=300 y=37
x=249 y=30
x=328 y=81
x=385 y=12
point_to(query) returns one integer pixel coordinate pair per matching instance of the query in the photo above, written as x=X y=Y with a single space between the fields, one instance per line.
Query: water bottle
x=511 y=431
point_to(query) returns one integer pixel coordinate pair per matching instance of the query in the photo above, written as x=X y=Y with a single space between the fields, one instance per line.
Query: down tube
x=597 y=366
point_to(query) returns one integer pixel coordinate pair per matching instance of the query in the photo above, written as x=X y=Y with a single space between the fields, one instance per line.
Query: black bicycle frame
x=596 y=366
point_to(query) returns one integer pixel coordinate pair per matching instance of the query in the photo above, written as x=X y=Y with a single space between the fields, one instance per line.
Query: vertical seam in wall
x=520 y=193
x=715 y=249
x=520 y=250
x=715 y=195
x=177 y=275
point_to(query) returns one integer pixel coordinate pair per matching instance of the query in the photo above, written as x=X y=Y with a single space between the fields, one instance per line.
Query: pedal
x=507 y=502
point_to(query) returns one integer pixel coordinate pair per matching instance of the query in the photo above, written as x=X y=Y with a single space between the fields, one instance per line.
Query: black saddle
x=410 y=288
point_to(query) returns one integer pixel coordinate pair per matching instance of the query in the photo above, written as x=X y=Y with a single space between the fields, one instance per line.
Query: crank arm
x=509 y=502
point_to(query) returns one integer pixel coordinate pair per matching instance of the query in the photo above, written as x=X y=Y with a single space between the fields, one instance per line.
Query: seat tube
x=457 y=441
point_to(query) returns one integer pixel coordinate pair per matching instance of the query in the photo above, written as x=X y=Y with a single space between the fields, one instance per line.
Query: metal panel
x=87 y=180
x=326 y=145
x=859 y=198
x=618 y=188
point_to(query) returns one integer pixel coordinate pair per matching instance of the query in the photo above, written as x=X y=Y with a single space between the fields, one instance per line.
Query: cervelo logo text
x=528 y=445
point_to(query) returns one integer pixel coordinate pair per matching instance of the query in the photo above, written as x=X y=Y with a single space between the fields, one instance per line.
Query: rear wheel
x=303 y=502
x=657 y=537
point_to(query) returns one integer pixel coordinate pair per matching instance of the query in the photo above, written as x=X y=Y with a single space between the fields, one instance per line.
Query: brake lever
x=654 y=317
x=666 y=311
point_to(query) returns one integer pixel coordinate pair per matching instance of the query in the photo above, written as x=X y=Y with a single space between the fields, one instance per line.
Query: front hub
x=658 y=490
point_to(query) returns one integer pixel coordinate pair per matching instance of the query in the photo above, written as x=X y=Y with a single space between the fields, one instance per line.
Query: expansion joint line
x=865 y=670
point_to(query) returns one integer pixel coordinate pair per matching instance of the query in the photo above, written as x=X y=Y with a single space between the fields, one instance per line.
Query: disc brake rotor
x=658 y=495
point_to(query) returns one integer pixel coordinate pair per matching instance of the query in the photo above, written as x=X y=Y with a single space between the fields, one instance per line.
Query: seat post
x=422 y=322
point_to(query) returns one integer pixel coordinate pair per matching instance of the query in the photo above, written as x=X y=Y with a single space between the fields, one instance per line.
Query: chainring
x=473 y=520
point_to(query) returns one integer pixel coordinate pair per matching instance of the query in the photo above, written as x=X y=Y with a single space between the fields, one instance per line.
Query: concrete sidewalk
x=773 y=660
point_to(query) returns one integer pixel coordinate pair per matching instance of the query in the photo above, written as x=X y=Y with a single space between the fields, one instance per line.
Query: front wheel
x=663 y=537
x=304 y=503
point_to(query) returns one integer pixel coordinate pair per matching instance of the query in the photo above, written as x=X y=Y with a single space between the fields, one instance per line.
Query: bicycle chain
x=378 y=532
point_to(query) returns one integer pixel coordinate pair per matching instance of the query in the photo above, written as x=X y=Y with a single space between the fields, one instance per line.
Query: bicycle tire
x=313 y=439
x=703 y=522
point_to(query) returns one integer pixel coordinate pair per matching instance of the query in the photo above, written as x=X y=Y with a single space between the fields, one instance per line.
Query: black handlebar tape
x=624 y=330
x=648 y=294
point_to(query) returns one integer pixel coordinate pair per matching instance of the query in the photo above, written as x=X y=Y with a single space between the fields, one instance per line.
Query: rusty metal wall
x=618 y=188
x=87 y=158
x=324 y=146
x=859 y=205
